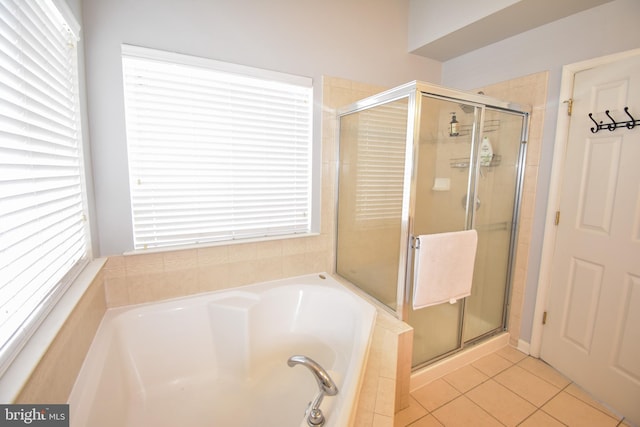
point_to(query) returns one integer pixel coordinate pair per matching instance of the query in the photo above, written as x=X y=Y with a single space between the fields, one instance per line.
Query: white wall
x=362 y=40
x=606 y=29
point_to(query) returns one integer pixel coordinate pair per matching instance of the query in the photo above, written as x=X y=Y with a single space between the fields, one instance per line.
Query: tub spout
x=314 y=415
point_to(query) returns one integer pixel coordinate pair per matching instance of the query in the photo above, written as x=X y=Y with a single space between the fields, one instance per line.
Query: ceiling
x=466 y=25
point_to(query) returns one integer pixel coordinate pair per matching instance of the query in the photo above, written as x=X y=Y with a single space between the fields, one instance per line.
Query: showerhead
x=467 y=108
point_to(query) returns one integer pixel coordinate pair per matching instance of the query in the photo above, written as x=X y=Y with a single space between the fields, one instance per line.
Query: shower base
x=445 y=366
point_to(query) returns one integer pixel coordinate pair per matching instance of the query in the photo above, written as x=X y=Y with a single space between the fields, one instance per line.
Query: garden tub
x=220 y=358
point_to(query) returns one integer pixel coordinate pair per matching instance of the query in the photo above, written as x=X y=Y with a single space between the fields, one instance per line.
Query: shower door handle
x=464 y=202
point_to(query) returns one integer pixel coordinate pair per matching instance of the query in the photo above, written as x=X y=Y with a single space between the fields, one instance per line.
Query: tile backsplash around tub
x=52 y=379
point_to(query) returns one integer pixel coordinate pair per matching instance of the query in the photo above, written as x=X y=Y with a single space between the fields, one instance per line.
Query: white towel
x=443 y=267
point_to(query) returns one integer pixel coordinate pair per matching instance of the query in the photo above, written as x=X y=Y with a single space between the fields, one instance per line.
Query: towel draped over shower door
x=443 y=267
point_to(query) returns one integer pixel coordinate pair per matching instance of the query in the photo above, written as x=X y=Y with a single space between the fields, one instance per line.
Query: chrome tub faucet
x=314 y=415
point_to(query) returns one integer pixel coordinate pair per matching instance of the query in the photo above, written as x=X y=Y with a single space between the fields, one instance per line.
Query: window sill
x=221 y=243
x=22 y=366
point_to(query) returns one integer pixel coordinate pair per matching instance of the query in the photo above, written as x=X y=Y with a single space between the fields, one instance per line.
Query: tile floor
x=505 y=388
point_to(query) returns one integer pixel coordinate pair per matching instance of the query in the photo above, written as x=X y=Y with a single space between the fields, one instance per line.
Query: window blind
x=42 y=228
x=214 y=155
x=381 y=151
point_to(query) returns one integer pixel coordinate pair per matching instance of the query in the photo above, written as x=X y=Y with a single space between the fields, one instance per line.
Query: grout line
x=542 y=378
x=621 y=421
x=592 y=401
x=553 y=417
x=492 y=377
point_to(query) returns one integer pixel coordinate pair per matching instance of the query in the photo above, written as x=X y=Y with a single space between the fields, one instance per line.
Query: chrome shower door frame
x=414 y=91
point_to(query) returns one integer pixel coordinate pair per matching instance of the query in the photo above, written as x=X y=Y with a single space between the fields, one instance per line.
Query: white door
x=592 y=334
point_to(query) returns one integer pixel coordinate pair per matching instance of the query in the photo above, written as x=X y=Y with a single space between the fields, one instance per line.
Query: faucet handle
x=323 y=379
x=314 y=414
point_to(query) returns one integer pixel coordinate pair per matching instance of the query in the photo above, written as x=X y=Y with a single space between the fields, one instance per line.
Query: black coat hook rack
x=629 y=124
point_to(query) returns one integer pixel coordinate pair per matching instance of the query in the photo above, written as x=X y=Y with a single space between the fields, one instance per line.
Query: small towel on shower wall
x=443 y=267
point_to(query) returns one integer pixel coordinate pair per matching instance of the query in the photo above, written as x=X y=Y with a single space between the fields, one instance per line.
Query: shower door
x=494 y=218
x=443 y=182
x=370 y=232
x=457 y=189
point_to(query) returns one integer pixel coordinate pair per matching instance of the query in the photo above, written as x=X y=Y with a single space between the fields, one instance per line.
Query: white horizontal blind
x=42 y=227
x=382 y=140
x=214 y=155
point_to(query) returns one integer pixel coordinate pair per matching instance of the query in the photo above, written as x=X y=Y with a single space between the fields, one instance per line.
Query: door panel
x=585 y=282
x=592 y=333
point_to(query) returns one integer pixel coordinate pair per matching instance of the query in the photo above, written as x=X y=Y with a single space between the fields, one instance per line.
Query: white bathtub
x=220 y=358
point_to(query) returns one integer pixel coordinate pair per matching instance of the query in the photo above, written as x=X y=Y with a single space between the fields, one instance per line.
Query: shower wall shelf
x=489 y=126
x=463 y=162
x=629 y=124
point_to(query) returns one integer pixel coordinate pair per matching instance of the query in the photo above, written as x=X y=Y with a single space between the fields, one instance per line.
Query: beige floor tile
x=410 y=414
x=541 y=419
x=509 y=408
x=511 y=354
x=465 y=378
x=462 y=412
x=435 y=394
x=544 y=371
x=581 y=394
x=492 y=364
x=427 y=421
x=527 y=385
x=574 y=412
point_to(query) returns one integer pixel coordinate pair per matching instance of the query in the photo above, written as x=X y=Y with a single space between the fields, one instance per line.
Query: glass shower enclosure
x=423 y=159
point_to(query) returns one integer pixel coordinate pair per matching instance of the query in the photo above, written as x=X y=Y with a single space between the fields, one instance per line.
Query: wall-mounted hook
x=630 y=124
x=611 y=126
x=597 y=128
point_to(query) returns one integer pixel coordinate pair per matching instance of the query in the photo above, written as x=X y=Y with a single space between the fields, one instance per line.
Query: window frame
x=312 y=193
x=31 y=324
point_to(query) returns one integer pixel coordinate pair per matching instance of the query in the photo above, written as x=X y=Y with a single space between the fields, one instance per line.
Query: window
x=43 y=239
x=217 y=152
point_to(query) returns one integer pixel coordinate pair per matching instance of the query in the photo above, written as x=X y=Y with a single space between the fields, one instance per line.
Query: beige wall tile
x=382 y=421
x=385 y=397
x=116 y=292
x=114 y=267
x=180 y=260
x=137 y=265
x=213 y=277
x=213 y=255
x=53 y=378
